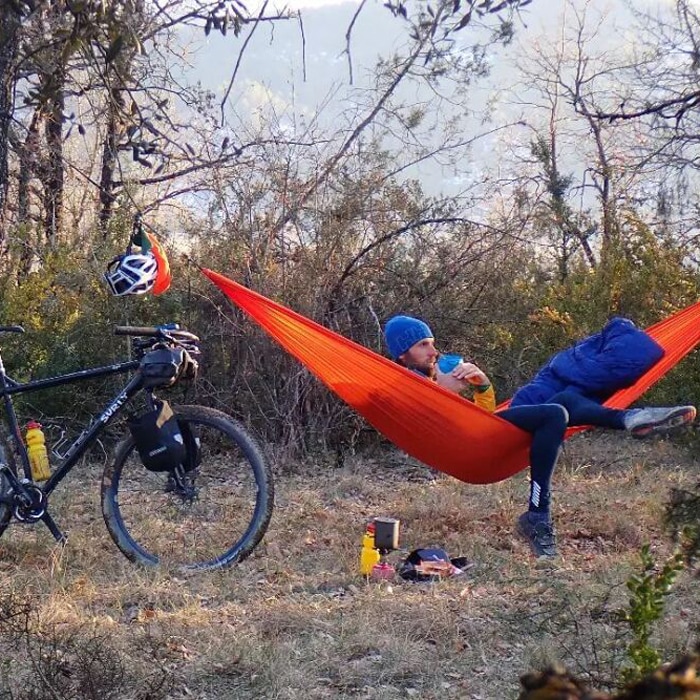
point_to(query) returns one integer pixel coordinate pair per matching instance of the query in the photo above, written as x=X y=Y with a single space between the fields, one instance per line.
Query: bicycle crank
x=31 y=507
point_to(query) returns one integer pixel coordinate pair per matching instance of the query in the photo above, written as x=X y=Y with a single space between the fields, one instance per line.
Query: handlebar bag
x=158 y=438
x=164 y=365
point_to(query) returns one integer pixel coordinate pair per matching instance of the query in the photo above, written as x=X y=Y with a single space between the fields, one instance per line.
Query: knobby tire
x=154 y=524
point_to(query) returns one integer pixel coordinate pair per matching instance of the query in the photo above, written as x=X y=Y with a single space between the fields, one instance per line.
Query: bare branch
x=348 y=35
x=240 y=58
x=678 y=107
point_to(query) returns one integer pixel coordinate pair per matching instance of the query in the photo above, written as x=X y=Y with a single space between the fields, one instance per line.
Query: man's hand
x=463 y=375
x=469 y=372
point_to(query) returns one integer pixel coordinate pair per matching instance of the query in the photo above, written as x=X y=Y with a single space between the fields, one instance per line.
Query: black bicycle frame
x=9 y=386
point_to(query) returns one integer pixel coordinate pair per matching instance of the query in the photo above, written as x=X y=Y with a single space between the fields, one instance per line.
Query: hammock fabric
x=434 y=425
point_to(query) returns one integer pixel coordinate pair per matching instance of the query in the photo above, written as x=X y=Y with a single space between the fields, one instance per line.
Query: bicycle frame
x=29 y=491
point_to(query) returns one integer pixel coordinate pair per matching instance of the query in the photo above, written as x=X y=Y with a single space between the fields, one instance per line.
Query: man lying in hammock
x=556 y=399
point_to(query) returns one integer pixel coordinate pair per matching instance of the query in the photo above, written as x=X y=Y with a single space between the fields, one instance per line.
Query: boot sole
x=675 y=420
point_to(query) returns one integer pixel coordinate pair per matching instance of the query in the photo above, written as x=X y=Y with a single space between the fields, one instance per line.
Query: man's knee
x=558 y=413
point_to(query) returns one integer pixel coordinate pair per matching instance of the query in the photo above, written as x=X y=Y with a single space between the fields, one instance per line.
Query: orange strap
x=435 y=426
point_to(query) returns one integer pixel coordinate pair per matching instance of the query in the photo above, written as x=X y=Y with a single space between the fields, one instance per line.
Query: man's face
x=421 y=355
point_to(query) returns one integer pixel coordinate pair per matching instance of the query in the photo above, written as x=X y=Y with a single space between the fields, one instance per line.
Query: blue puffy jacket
x=596 y=366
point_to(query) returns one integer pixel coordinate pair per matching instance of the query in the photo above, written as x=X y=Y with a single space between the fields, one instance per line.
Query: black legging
x=547 y=424
x=585 y=411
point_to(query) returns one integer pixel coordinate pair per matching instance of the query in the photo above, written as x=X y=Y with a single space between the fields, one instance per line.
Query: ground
x=296 y=620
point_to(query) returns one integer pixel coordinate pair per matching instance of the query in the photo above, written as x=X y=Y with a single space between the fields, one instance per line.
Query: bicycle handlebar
x=156 y=332
x=137 y=330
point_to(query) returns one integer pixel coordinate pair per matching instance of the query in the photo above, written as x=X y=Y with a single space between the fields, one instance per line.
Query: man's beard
x=428 y=370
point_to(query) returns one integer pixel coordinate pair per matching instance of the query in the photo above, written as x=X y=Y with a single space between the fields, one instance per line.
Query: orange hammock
x=434 y=425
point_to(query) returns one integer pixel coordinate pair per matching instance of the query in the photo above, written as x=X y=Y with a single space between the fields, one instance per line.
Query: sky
x=282 y=65
x=272 y=74
x=295 y=5
x=294 y=76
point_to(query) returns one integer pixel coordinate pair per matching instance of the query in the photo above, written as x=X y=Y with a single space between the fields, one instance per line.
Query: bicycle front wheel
x=209 y=516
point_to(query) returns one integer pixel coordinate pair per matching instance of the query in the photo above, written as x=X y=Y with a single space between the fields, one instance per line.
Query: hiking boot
x=539 y=532
x=645 y=421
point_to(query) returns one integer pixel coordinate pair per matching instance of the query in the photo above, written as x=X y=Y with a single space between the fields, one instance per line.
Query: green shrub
x=648 y=593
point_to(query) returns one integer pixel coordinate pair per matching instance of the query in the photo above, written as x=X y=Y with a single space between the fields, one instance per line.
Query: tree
x=654 y=91
x=9 y=41
x=89 y=59
x=579 y=166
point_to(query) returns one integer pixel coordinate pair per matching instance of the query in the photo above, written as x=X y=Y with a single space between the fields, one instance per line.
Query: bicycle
x=208 y=509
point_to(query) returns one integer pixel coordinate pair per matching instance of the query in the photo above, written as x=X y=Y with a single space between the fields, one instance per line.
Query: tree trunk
x=109 y=161
x=53 y=173
x=9 y=41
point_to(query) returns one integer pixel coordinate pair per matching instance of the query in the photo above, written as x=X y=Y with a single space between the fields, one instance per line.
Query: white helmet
x=132 y=273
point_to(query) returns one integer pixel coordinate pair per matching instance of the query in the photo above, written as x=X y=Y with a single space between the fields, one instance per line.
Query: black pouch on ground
x=431 y=563
x=158 y=438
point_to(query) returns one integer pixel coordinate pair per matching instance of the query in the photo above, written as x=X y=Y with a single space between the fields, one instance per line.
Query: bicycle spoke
x=214 y=516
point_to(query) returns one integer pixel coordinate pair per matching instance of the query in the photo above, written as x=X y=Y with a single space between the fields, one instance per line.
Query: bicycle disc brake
x=181 y=483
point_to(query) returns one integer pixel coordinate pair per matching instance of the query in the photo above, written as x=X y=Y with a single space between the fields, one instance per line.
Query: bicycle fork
x=28 y=501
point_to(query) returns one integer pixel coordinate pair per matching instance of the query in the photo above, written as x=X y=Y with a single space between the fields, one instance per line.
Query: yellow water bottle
x=38 y=454
x=369 y=555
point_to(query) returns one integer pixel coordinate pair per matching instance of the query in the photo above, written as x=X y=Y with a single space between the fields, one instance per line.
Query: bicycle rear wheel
x=212 y=520
x=5 y=490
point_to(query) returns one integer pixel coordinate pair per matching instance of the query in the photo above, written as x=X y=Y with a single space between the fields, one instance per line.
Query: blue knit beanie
x=402 y=332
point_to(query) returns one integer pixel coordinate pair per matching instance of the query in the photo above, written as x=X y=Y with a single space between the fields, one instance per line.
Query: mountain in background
x=295 y=67
x=277 y=54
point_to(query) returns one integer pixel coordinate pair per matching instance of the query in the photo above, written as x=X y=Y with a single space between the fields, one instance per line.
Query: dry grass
x=297 y=621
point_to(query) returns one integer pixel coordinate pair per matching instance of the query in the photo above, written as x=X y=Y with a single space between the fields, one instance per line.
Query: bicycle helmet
x=133 y=273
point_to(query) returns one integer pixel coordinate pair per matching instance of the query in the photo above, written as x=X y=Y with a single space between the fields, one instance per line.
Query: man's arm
x=465 y=375
x=485 y=397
